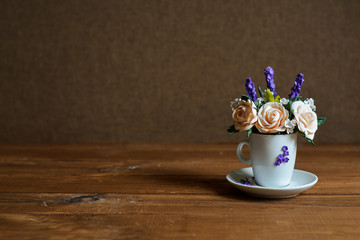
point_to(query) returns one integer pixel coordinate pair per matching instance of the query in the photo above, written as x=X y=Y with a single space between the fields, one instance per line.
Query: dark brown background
x=158 y=71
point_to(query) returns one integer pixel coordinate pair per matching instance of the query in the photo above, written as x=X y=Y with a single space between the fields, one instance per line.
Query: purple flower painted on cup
x=269 y=75
x=296 y=89
x=285 y=150
x=282 y=157
x=250 y=88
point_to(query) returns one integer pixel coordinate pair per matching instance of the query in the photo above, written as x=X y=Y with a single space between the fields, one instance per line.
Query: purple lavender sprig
x=250 y=88
x=296 y=89
x=269 y=75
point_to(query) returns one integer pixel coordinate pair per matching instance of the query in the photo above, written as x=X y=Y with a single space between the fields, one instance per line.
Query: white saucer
x=300 y=182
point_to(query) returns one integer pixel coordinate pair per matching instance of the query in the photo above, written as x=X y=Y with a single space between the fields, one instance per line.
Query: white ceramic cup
x=264 y=152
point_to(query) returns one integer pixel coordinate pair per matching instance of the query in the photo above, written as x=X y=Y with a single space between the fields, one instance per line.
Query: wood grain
x=168 y=191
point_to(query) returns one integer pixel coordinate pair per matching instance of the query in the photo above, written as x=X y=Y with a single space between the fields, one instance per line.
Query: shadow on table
x=189 y=182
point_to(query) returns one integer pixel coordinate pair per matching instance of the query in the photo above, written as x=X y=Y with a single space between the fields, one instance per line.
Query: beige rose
x=306 y=118
x=244 y=115
x=272 y=117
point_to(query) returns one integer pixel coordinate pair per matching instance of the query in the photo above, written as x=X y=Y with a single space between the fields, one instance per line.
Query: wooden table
x=168 y=191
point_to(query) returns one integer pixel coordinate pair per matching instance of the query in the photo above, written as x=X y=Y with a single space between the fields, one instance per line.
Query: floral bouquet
x=271 y=114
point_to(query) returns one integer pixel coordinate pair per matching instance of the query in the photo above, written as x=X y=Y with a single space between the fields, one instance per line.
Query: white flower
x=234 y=104
x=310 y=101
x=284 y=101
x=258 y=101
x=290 y=125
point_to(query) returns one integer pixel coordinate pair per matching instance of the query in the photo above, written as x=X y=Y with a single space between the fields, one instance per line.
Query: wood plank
x=64 y=203
x=156 y=184
x=180 y=216
x=174 y=217
x=282 y=225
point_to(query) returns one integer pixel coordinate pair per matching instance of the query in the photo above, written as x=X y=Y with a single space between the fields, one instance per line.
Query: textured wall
x=134 y=71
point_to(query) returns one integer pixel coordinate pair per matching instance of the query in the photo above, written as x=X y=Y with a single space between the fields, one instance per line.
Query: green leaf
x=295 y=98
x=261 y=92
x=288 y=107
x=245 y=97
x=277 y=99
x=321 y=120
x=249 y=132
x=232 y=130
x=269 y=96
x=308 y=139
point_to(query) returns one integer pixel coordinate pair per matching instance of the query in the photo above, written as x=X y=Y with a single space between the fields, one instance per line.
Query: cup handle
x=240 y=154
